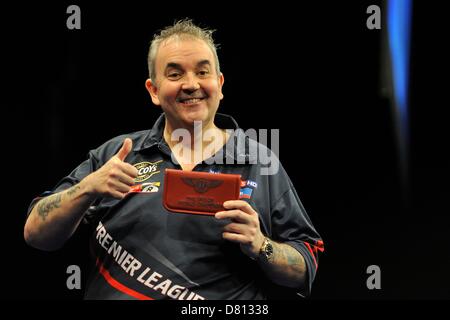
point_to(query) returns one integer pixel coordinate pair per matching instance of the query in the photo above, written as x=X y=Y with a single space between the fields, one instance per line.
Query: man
x=143 y=251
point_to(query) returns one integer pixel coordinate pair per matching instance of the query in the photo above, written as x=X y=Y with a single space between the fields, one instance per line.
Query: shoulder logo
x=249 y=183
x=202 y=185
x=245 y=193
x=146 y=170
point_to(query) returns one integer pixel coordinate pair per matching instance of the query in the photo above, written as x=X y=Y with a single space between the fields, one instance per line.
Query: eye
x=174 y=75
x=203 y=73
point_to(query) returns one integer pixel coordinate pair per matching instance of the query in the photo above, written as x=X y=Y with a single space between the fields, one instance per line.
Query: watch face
x=268 y=250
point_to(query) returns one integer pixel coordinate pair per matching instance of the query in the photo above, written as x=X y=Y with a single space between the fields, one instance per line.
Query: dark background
x=312 y=70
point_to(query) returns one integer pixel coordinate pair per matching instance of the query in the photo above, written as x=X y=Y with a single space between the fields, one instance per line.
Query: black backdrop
x=311 y=70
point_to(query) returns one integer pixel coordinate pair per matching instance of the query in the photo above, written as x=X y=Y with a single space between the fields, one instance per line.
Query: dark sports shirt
x=142 y=251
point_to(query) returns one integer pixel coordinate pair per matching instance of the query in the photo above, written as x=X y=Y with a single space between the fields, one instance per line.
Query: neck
x=193 y=144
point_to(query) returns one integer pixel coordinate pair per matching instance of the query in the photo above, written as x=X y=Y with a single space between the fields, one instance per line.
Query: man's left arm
x=286 y=266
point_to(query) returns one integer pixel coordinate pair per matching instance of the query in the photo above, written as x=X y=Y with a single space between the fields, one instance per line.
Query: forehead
x=183 y=51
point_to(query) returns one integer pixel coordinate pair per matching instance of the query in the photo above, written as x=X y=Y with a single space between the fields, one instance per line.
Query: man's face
x=187 y=86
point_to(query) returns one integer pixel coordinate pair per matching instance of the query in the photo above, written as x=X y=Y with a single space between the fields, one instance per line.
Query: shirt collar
x=236 y=148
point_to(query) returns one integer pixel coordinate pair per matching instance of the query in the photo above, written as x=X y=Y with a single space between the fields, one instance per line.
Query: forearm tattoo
x=73 y=190
x=48 y=204
x=292 y=257
x=285 y=255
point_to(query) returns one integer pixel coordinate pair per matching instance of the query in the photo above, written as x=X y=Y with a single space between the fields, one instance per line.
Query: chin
x=200 y=115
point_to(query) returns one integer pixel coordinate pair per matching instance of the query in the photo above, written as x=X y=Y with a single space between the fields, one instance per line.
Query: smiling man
x=187 y=83
x=262 y=242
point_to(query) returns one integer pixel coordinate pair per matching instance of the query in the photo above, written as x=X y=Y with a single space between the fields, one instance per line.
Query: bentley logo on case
x=202 y=185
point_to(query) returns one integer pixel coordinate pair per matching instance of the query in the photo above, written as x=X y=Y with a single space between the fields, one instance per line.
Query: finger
x=125 y=179
x=118 y=195
x=129 y=170
x=235 y=215
x=237 y=228
x=234 y=237
x=240 y=205
x=119 y=187
x=125 y=150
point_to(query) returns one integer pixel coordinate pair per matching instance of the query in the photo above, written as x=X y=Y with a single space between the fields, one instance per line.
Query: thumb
x=125 y=150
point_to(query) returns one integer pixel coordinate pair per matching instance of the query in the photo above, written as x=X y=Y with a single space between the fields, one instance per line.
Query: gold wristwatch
x=266 y=249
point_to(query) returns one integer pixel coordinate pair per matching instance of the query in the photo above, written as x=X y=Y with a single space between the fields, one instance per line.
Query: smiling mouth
x=190 y=101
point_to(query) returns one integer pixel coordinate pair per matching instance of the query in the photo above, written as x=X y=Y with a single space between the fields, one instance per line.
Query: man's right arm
x=55 y=218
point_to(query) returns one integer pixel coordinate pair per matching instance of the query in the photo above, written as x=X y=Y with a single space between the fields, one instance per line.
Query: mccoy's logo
x=146 y=170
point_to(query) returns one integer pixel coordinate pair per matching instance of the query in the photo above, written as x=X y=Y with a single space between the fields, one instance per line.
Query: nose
x=190 y=83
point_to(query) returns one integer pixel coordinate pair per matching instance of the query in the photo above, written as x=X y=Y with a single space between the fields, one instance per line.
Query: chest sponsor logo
x=148 y=187
x=146 y=170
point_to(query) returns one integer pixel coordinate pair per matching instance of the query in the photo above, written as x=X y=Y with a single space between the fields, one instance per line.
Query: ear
x=221 y=81
x=153 y=90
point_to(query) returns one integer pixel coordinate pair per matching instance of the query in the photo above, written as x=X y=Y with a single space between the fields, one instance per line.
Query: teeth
x=189 y=101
